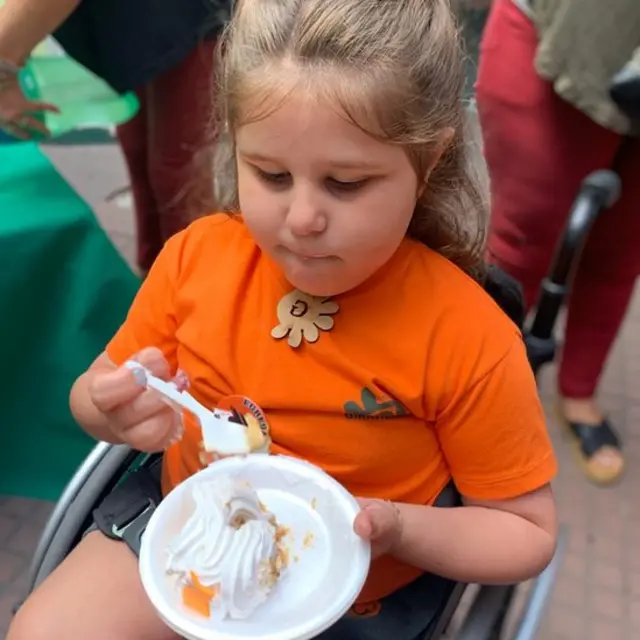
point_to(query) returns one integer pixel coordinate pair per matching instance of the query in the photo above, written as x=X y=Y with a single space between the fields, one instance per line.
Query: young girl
x=341 y=301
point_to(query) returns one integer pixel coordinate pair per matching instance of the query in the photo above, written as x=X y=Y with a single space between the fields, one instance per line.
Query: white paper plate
x=328 y=561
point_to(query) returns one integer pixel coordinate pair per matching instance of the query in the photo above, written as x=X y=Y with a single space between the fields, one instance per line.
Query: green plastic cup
x=85 y=101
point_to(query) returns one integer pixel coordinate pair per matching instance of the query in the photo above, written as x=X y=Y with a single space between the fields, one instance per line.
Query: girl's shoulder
x=207 y=243
x=215 y=227
x=461 y=322
x=450 y=291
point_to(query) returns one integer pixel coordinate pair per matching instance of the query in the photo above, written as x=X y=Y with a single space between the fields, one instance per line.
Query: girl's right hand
x=137 y=416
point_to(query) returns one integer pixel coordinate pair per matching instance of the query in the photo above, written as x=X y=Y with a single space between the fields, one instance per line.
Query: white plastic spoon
x=219 y=434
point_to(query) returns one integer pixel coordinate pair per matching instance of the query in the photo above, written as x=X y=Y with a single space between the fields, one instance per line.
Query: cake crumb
x=281 y=532
x=308 y=540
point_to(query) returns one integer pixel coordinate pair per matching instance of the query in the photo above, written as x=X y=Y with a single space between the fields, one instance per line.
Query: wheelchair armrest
x=487 y=612
x=447 y=612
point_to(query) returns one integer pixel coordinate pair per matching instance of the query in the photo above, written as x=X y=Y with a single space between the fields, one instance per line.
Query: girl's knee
x=73 y=603
x=31 y=622
x=45 y=614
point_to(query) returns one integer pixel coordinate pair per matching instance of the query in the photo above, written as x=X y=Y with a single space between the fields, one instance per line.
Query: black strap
x=125 y=512
x=594 y=438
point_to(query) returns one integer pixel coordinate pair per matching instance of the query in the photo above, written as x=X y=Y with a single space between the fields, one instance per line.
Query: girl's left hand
x=380 y=522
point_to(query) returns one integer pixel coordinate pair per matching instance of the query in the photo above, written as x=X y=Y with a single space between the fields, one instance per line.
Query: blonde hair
x=394 y=66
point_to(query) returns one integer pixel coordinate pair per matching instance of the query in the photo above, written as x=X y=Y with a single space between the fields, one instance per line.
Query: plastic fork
x=219 y=434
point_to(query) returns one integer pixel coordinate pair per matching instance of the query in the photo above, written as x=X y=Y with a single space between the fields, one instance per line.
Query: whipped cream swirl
x=230 y=544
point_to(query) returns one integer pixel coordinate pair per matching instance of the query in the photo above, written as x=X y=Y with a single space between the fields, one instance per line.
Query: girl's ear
x=444 y=140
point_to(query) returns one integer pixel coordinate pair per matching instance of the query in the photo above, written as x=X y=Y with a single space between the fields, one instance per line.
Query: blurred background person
x=547 y=121
x=161 y=49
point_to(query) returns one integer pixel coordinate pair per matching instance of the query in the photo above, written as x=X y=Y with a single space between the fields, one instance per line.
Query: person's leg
x=95 y=594
x=601 y=290
x=133 y=141
x=180 y=119
x=538 y=149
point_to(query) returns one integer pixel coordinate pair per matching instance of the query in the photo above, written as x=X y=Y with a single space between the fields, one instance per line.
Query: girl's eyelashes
x=283 y=179
x=277 y=179
x=350 y=186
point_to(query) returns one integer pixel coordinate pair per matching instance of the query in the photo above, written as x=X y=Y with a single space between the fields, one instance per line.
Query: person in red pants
x=543 y=132
x=161 y=49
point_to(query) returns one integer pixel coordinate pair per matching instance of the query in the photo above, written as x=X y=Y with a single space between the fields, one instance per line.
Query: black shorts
x=406 y=614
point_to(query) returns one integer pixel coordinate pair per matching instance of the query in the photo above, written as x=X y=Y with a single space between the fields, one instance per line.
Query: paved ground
x=598 y=592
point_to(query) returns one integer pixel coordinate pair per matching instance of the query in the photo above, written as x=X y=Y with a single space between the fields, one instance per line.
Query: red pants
x=159 y=146
x=538 y=149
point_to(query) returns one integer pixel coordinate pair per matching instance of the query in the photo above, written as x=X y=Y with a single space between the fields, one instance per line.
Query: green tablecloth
x=64 y=290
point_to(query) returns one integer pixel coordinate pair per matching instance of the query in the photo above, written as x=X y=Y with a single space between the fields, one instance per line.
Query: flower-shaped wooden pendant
x=301 y=315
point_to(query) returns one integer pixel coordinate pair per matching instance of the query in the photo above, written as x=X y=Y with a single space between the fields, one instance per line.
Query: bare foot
x=583 y=410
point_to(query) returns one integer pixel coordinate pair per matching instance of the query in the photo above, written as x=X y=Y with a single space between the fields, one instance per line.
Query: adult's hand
x=18 y=114
x=23 y=24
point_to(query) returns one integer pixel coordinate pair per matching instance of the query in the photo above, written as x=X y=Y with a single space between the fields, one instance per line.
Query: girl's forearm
x=25 y=23
x=473 y=544
x=85 y=412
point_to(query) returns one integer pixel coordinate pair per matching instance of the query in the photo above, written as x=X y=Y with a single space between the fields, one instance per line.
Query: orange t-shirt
x=421 y=379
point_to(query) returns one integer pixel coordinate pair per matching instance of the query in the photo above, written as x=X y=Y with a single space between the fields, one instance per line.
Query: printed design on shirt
x=366 y=609
x=244 y=411
x=301 y=315
x=372 y=407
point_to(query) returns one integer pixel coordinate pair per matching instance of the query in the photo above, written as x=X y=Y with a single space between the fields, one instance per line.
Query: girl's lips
x=309 y=256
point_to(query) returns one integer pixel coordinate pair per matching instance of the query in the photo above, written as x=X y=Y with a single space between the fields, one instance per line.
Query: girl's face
x=329 y=203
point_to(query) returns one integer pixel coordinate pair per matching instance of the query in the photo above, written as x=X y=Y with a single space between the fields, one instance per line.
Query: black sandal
x=589 y=440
